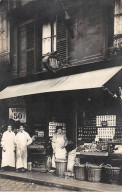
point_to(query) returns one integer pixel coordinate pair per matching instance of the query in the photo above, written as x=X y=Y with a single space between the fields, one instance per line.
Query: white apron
x=22 y=140
x=7 y=143
x=58 y=141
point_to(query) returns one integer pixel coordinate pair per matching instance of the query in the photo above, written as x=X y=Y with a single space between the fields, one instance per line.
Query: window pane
x=54 y=44
x=46 y=30
x=54 y=28
x=46 y=46
x=48 y=38
x=1 y=24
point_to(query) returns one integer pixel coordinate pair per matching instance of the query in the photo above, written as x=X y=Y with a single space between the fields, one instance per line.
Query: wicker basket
x=112 y=174
x=94 y=172
x=61 y=167
x=80 y=172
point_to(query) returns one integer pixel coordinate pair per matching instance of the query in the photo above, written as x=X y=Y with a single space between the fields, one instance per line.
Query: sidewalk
x=49 y=179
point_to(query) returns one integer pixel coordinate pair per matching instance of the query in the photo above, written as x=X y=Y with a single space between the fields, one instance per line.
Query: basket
x=61 y=167
x=80 y=172
x=112 y=174
x=94 y=172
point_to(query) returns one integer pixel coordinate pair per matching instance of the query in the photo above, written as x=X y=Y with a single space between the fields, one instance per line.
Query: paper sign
x=18 y=114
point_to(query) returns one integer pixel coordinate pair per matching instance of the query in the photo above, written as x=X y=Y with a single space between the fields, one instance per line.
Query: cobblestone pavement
x=8 y=185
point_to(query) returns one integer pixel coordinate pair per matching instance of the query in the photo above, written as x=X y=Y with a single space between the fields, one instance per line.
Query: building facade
x=60 y=64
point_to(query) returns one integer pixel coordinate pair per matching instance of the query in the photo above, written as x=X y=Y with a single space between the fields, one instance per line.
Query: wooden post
x=75 y=122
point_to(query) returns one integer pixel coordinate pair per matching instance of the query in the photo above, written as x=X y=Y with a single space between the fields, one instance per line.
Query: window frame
x=53 y=37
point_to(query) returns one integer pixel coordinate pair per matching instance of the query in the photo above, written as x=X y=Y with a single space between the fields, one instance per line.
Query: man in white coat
x=22 y=140
x=8 y=149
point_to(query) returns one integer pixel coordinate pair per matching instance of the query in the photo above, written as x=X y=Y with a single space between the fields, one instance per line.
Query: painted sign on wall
x=18 y=114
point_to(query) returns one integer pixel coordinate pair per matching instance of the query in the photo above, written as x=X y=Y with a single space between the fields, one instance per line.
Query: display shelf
x=53 y=125
x=92 y=153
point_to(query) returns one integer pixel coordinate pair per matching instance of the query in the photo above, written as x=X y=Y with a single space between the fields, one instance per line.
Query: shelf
x=92 y=153
x=36 y=148
x=115 y=142
x=38 y=153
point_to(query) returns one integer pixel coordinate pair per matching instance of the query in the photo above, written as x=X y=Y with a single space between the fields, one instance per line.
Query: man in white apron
x=22 y=140
x=8 y=149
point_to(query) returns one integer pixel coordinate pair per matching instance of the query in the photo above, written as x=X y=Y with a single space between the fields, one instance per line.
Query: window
x=48 y=38
x=26 y=48
x=31 y=40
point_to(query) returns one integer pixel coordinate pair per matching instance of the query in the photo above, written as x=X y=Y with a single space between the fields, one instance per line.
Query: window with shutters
x=48 y=38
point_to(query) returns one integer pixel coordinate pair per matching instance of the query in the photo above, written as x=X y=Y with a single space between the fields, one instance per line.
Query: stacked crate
x=118 y=133
x=87 y=130
x=105 y=126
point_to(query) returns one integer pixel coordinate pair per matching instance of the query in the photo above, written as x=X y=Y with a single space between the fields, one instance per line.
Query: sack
x=48 y=163
x=71 y=160
x=53 y=161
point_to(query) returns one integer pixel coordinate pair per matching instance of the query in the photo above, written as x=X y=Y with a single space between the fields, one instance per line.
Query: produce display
x=93 y=147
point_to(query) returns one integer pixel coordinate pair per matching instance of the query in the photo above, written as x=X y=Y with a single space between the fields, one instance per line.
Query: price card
x=18 y=114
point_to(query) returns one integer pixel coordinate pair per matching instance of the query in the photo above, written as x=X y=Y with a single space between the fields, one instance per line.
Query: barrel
x=61 y=167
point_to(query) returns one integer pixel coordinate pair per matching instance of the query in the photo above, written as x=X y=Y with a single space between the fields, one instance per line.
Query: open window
x=48 y=38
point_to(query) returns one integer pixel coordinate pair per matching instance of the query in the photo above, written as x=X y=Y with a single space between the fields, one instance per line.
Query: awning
x=87 y=80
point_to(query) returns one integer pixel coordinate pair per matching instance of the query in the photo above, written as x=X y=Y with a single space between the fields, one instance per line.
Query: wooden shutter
x=3 y=32
x=30 y=48
x=14 y=50
x=38 y=39
x=26 y=57
x=118 y=24
x=22 y=57
x=62 y=37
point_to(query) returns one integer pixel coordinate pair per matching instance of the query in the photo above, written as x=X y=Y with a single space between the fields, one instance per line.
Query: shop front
x=89 y=113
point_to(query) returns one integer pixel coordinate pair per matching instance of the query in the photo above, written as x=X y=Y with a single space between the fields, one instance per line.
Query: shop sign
x=18 y=114
x=16 y=101
x=51 y=62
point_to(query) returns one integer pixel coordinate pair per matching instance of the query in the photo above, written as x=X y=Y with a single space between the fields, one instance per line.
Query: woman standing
x=59 y=142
